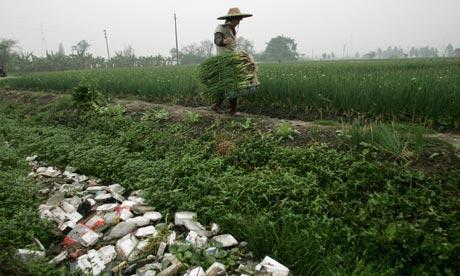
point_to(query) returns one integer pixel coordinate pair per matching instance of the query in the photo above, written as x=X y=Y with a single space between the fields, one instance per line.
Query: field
x=362 y=190
x=421 y=91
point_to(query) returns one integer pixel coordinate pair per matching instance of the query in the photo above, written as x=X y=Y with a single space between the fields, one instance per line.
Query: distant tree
x=456 y=53
x=81 y=48
x=379 y=53
x=370 y=55
x=281 y=48
x=192 y=54
x=324 y=55
x=128 y=52
x=173 y=53
x=449 y=52
x=357 y=55
x=195 y=53
x=332 y=55
x=61 y=50
x=206 y=47
x=413 y=52
x=246 y=45
x=125 y=58
x=6 y=50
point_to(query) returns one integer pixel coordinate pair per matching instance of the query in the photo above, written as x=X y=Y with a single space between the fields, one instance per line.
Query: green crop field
x=423 y=91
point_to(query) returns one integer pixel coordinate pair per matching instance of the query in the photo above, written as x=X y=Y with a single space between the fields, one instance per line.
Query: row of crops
x=425 y=91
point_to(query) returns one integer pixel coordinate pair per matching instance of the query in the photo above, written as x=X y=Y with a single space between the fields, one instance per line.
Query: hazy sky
x=148 y=26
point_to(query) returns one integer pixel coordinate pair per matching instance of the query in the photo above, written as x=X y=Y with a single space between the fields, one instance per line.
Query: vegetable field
x=423 y=91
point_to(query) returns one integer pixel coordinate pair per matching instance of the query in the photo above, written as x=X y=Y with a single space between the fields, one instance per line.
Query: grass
x=421 y=91
x=316 y=209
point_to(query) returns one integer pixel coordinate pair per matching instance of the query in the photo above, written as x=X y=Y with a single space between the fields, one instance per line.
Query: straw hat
x=234 y=12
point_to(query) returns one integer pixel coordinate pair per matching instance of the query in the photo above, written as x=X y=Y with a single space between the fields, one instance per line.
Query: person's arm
x=219 y=39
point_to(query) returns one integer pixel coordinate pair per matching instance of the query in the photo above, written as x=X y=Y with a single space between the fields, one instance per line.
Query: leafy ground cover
x=318 y=209
x=423 y=91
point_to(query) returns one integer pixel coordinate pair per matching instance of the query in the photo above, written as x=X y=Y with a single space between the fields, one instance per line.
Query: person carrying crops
x=225 y=40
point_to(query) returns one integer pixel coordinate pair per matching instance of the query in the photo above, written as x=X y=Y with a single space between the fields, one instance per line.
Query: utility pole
x=44 y=47
x=177 y=45
x=107 y=44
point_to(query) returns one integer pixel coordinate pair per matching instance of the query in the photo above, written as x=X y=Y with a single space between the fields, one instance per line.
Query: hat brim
x=241 y=15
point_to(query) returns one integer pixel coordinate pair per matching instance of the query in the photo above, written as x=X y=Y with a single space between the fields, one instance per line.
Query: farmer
x=225 y=40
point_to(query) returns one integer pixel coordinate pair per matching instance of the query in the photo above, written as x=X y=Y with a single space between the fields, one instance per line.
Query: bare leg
x=233 y=105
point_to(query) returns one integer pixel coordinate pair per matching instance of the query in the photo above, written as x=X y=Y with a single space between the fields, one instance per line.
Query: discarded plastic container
x=116 y=188
x=126 y=245
x=28 y=255
x=270 y=265
x=180 y=217
x=146 y=231
x=139 y=221
x=216 y=269
x=59 y=258
x=107 y=207
x=95 y=223
x=197 y=227
x=107 y=253
x=123 y=213
x=226 y=240
x=197 y=271
x=97 y=263
x=153 y=216
x=83 y=235
x=120 y=230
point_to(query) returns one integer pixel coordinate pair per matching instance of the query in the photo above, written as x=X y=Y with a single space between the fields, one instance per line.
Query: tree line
x=279 y=48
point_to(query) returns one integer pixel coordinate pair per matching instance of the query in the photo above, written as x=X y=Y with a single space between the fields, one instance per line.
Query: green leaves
x=225 y=73
x=313 y=208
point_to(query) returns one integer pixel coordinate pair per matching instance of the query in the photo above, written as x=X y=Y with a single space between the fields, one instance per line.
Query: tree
x=81 y=48
x=206 y=47
x=370 y=55
x=174 y=55
x=125 y=58
x=281 y=48
x=456 y=53
x=196 y=53
x=243 y=44
x=6 y=50
x=449 y=51
x=61 y=50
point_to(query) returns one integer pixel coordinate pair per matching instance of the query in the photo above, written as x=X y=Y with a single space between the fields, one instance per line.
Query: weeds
x=398 y=143
x=315 y=209
x=286 y=131
x=192 y=117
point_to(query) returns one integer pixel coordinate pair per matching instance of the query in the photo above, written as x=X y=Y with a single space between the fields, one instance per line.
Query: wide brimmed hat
x=234 y=12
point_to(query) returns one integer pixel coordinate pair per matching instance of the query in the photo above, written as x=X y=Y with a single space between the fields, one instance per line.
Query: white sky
x=148 y=26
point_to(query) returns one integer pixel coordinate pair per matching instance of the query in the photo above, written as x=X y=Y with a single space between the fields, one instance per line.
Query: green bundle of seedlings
x=227 y=73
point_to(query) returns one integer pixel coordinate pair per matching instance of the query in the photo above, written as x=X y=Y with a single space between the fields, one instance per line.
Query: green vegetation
x=226 y=73
x=421 y=91
x=317 y=209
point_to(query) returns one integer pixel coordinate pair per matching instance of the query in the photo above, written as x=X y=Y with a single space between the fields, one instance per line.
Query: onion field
x=423 y=91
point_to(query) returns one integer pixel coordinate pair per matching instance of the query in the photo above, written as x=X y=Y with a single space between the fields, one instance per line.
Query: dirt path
x=180 y=112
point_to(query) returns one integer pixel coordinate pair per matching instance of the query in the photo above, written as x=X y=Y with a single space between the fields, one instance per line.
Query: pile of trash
x=108 y=232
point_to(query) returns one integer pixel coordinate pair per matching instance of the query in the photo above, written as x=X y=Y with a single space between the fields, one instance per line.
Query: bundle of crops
x=227 y=73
